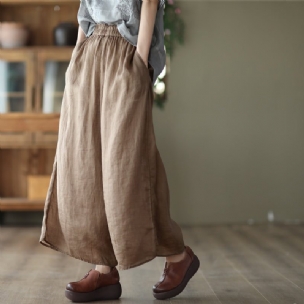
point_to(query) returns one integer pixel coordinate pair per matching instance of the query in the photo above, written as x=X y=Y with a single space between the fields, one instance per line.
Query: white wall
x=231 y=135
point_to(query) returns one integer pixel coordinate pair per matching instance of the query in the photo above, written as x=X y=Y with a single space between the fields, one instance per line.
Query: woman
x=108 y=199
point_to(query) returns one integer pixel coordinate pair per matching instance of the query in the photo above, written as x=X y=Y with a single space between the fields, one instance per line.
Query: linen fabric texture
x=125 y=14
x=108 y=199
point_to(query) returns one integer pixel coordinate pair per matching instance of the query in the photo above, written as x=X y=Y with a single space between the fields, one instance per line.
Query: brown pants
x=108 y=199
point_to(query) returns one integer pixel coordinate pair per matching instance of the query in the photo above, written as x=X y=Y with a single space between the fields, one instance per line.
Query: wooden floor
x=240 y=264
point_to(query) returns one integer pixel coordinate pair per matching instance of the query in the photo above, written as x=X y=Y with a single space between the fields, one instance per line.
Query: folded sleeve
x=161 y=4
x=84 y=18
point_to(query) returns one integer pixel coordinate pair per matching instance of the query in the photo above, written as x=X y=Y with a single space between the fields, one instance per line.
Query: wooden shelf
x=55 y=2
x=12 y=94
x=20 y=204
x=28 y=139
x=29 y=122
x=30 y=145
x=37 y=48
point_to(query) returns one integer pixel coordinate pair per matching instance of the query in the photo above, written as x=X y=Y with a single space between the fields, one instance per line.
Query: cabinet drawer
x=45 y=139
x=15 y=139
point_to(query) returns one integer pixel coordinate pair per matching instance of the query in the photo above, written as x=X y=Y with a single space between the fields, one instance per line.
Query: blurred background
x=231 y=134
x=228 y=111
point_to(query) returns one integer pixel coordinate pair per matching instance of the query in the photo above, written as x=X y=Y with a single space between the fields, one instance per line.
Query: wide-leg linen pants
x=108 y=200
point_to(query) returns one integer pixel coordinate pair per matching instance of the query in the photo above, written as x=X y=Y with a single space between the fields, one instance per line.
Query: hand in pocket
x=144 y=60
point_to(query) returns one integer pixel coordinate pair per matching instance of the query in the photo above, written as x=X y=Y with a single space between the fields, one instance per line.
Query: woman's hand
x=143 y=57
x=147 y=21
x=81 y=35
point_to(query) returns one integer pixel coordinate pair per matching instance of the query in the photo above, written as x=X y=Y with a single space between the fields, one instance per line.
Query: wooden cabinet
x=32 y=82
x=16 y=80
x=32 y=79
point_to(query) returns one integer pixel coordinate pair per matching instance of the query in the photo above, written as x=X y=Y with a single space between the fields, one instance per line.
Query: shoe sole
x=194 y=266
x=110 y=292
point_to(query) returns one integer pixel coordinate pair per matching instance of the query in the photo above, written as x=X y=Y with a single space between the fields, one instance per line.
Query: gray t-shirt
x=126 y=15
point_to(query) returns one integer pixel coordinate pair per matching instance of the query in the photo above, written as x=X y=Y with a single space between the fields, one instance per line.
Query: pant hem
x=47 y=244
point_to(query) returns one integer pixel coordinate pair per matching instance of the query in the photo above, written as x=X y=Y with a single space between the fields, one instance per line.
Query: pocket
x=149 y=69
x=140 y=58
x=71 y=77
x=80 y=44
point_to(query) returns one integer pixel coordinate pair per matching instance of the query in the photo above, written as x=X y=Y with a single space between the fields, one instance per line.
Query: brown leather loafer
x=95 y=286
x=176 y=275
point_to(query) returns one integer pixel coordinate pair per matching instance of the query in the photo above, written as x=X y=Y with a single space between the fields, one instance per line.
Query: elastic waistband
x=106 y=29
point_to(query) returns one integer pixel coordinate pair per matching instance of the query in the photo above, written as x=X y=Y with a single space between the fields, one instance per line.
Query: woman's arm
x=147 y=21
x=81 y=35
